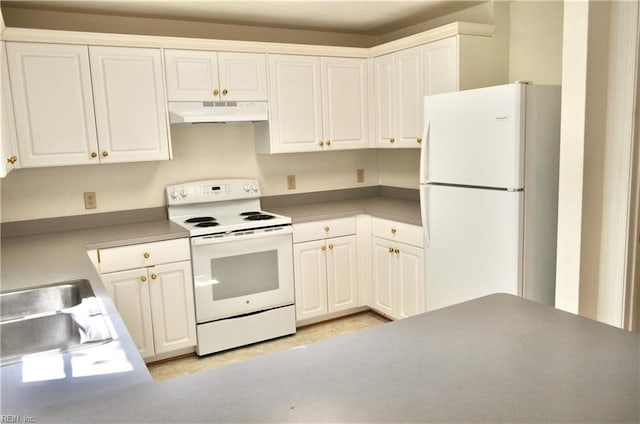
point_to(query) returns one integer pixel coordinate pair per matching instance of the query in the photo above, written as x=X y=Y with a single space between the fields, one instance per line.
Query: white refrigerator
x=489 y=193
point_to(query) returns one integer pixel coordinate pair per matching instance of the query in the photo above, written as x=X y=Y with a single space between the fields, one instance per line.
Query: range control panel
x=212 y=191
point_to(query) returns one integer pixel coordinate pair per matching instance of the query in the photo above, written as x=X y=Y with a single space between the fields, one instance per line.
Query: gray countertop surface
x=35 y=260
x=40 y=259
x=495 y=359
x=407 y=211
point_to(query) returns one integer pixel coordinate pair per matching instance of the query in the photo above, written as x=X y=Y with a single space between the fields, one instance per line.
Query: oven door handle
x=241 y=236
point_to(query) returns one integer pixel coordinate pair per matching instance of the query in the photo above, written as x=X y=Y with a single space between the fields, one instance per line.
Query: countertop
x=495 y=359
x=36 y=260
x=40 y=259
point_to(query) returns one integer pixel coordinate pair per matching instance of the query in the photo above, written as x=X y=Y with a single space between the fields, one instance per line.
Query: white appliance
x=220 y=112
x=242 y=260
x=489 y=193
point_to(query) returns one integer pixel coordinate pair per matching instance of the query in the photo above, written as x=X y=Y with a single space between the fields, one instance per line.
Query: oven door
x=240 y=274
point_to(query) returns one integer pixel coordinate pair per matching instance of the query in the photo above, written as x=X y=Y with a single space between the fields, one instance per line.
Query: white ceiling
x=370 y=17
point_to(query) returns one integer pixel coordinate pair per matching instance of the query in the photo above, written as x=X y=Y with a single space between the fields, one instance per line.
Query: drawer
x=328 y=228
x=142 y=255
x=397 y=231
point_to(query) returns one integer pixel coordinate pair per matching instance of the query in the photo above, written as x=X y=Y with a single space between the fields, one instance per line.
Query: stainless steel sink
x=59 y=317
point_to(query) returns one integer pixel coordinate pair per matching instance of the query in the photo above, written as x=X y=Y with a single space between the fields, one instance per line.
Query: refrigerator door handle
x=424 y=151
x=424 y=210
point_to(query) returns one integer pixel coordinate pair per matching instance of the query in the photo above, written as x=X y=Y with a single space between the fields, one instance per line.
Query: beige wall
x=200 y=152
x=535 y=42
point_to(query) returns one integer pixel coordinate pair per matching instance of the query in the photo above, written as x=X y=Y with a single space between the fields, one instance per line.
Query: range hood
x=203 y=112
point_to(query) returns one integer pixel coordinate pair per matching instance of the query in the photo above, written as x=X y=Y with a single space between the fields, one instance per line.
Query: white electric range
x=242 y=262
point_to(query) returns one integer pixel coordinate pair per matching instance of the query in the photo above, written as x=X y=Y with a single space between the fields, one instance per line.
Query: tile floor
x=305 y=335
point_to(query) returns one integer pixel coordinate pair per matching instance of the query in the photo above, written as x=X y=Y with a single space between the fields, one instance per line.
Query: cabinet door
x=441 y=66
x=384 y=280
x=130 y=105
x=410 y=97
x=344 y=103
x=310 y=276
x=410 y=280
x=243 y=76
x=8 y=138
x=51 y=88
x=342 y=274
x=172 y=306
x=129 y=291
x=191 y=75
x=384 y=100
x=295 y=104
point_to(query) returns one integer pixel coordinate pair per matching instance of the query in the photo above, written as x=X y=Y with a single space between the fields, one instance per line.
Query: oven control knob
x=254 y=188
x=174 y=194
x=247 y=188
x=184 y=192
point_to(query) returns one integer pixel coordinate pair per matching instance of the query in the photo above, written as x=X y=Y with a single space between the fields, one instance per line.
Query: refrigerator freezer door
x=473 y=243
x=476 y=137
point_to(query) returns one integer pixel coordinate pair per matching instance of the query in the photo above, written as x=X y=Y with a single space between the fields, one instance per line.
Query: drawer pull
x=323 y=248
x=393 y=231
x=396 y=251
x=143 y=278
x=331 y=246
x=154 y=276
x=326 y=229
x=391 y=250
x=146 y=255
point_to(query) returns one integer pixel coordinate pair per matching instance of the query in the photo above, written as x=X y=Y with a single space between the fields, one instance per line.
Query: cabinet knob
x=94 y=154
x=396 y=251
x=321 y=143
x=154 y=276
x=216 y=92
x=419 y=140
x=328 y=142
x=392 y=140
x=12 y=159
x=143 y=278
x=225 y=92
x=393 y=231
x=391 y=250
x=146 y=255
x=326 y=229
x=105 y=153
x=331 y=246
x=323 y=248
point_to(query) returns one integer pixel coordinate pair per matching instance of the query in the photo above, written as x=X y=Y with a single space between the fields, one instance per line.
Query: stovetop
x=219 y=206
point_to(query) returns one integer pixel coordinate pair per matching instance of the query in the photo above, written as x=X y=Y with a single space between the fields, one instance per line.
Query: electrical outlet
x=360 y=175
x=291 y=182
x=90 y=201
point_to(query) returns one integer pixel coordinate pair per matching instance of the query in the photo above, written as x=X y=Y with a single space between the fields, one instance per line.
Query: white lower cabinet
x=155 y=302
x=398 y=269
x=325 y=270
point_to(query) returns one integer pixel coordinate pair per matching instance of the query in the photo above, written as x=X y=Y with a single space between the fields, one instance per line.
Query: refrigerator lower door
x=473 y=243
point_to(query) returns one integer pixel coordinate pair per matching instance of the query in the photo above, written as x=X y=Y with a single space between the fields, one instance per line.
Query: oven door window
x=242 y=275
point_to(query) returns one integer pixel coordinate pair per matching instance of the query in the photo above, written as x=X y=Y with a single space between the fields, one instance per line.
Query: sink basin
x=45 y=299
x=59 y=317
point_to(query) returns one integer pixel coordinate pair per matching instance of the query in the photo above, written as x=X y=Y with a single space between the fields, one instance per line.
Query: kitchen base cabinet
x=156 y=300
x=325 y=270
x=398 y=269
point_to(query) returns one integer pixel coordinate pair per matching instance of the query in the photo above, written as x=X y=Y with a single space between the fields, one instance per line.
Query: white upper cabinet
x=398 y=91
x=130 y=105
x=212 y=76
x=344 y=103
x=53 y=104
x=8 y=140
x=78 y=105
x=315 y=104
x=441 y=66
